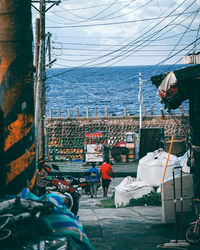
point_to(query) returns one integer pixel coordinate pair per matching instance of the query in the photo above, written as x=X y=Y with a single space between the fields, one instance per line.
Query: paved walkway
x=131 y=228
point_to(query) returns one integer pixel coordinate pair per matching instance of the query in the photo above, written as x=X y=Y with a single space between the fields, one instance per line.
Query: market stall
x=95 y=146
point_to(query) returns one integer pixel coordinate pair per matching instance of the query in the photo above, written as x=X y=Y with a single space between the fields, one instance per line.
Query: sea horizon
x=112 y=87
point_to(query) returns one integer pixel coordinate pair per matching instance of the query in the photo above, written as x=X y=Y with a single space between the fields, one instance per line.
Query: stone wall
x=65 y=136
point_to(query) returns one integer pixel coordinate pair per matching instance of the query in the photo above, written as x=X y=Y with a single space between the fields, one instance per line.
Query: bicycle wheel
x=191 y=236
x=5 y=233
x=4 y=219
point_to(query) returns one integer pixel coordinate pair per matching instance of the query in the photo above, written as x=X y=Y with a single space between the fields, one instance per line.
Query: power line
x=103 y=18
x=120 y=49
x=94 y=6
x=136 y=39
x=117 y=23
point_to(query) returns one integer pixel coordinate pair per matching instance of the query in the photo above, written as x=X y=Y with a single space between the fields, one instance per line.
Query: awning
x=172 y=86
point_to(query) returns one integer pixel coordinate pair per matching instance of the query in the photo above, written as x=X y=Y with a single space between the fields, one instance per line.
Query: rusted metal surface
x=16 y=93
x=2 y=169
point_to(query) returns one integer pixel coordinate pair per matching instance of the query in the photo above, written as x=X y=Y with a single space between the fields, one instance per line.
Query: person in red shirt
x=106 y=172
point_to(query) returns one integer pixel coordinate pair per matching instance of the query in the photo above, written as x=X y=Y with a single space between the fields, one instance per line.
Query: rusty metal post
x=17 y=94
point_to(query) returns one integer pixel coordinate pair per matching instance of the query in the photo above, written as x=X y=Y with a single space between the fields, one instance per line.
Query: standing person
x=93 y=179
x=106 y=173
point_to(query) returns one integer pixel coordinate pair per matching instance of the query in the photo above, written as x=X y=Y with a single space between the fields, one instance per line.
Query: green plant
x=151 y=199
x=108 y=203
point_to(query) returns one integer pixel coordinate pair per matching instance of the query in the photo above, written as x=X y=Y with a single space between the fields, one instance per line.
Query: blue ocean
x=111 y=87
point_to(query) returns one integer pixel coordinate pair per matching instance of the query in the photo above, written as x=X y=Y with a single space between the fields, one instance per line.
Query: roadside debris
x=149 y=176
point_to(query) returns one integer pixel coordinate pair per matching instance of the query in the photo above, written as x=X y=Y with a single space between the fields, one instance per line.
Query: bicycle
x=7 y=221
x=193 y=232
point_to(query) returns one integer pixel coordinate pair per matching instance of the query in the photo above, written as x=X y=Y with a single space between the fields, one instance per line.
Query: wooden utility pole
x=42 y=72
x=40 y=88
x=37 y=44
x=16 y=95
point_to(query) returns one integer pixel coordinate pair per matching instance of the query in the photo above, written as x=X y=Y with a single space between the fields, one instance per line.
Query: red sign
x=94 y=135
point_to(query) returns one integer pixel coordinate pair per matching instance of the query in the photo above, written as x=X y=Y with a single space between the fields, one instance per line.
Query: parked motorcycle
x=69 y=193
x=75 y=182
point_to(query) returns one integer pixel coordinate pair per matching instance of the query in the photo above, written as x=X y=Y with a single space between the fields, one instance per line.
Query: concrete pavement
x=130 y=228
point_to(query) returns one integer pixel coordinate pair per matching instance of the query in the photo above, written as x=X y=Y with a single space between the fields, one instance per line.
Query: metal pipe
x=175 y=218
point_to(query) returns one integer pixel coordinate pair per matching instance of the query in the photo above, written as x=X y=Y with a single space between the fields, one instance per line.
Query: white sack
x=128 y=189
x=151 y=167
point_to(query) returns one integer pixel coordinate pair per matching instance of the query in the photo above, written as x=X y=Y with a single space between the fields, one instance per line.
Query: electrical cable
x=184 y=33
x=99 y=13
x=116 y=23
x=154 y=25
x=104 y=17
x=173 y=10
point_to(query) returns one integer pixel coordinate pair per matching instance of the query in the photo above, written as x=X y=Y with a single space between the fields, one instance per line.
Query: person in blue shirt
x=93 y=179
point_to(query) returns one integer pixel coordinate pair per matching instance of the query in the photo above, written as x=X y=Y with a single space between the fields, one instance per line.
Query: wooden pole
x=96 y=111
x=106 y=112
x=16 y=94
x=151 y=110
x=144 y=111
x=77 y=112
x=37 y=43
x=59 y=112
x=68 y=111
x=125 y=112
x=182 y=110
x=42 y=72
x=170 y=148
x=87 y=112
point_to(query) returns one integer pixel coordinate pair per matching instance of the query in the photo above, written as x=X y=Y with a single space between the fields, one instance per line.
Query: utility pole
x=37 y=44
x=16 y=96
x=40 y=88
x=42 y=72
x=140 y=98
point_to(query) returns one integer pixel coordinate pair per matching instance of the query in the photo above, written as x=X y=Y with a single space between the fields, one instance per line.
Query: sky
x=121 y=32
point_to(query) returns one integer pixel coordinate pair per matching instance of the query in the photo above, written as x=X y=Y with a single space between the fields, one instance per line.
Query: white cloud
x=88 y=14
